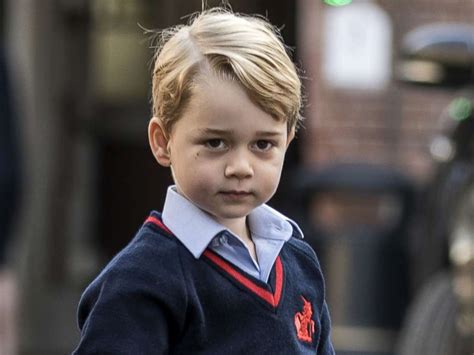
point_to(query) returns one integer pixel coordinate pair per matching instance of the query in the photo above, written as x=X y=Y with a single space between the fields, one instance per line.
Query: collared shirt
x=197 y=230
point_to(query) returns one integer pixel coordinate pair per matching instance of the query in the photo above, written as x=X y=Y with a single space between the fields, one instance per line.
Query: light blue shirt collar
x=196 y=228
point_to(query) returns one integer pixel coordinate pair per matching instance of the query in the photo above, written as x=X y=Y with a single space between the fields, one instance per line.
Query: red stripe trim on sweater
x=278 y=280
x=158 y=223
x=272 y=299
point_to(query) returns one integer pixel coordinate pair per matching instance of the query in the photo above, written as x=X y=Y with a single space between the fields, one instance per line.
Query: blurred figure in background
x=9 y=182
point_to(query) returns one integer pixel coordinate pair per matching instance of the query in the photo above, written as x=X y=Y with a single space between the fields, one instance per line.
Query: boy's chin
x=231 y=215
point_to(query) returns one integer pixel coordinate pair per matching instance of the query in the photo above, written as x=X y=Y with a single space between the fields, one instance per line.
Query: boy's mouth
x=235 y=193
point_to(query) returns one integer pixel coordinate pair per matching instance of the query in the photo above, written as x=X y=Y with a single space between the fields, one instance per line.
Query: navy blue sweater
x=154 y=297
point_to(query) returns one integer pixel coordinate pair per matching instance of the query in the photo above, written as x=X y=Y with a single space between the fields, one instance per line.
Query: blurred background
x=381 y=176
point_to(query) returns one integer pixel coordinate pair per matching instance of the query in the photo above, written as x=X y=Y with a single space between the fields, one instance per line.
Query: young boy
x=218 y=271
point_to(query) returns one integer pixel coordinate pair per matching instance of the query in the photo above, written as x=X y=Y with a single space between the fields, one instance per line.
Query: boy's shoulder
x=302 y=248
x=303 y=265
x=153 y=254
x=148 y=268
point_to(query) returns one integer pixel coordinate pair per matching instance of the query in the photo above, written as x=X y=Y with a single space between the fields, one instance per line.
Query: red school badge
x=303 y=322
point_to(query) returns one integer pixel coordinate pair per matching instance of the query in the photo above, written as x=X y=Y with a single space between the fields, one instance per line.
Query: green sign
x=337 y=2
x=460 y=108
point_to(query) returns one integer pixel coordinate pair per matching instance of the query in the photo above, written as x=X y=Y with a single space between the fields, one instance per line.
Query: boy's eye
x=263 y=145
x=215 y=143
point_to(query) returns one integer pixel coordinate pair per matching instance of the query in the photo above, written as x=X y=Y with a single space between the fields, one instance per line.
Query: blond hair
x=244 y=48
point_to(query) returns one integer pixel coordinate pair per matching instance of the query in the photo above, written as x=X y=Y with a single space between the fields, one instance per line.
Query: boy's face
x=226 y=154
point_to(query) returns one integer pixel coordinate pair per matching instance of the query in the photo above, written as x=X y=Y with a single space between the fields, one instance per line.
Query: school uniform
x=187 y=285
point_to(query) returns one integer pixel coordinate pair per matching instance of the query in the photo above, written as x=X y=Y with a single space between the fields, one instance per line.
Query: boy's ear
x=158 y=140
x=291 y=136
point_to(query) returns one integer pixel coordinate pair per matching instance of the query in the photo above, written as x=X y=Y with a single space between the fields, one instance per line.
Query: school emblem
x=303 y=322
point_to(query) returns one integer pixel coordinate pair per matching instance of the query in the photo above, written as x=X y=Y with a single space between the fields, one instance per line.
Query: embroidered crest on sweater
x=303 y=322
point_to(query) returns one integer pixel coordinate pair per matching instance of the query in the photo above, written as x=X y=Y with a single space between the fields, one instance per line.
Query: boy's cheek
x=198 y=179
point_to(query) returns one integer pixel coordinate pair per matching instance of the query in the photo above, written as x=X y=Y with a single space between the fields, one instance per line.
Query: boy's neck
x=240 y=228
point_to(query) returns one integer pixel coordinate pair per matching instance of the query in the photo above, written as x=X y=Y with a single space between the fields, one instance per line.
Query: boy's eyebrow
x=270 y=133
x=230 y=132
x=215 y=131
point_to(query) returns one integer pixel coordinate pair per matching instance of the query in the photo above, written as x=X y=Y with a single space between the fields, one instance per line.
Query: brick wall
x=393 y=126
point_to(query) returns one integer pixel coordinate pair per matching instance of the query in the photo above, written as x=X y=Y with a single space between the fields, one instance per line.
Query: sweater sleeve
x=130 y=310
x=325 y=344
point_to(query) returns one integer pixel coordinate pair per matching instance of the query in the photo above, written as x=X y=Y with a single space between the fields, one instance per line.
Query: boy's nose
x=238 y=166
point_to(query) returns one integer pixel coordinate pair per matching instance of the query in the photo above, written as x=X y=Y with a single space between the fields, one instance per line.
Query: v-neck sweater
x=154 y=297
x=198 y=230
